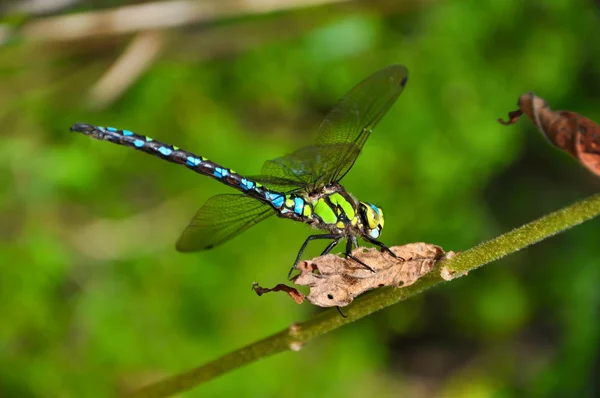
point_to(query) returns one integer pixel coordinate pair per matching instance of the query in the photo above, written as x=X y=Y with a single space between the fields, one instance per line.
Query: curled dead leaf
x=569 y=131
x=295 y=294
x=336 y=281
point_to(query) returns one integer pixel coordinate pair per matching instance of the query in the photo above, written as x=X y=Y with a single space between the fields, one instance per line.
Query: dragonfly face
x=372 y=220
x=302 y=186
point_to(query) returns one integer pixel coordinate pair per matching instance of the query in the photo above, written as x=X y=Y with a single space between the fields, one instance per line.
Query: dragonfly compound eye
x=372 y=218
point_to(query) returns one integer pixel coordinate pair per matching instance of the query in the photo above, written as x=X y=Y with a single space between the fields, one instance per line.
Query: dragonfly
x=303 y=186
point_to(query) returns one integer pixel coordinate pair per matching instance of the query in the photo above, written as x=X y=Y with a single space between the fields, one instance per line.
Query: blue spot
x=192 y=161
x=276 y=199
x=127 y=133
x=165 y=151
x=247 y=184
x=111 y=129
x=100 y=128
x=298 y=205
x=138 y=143
x=221 y=172
x=284 y=211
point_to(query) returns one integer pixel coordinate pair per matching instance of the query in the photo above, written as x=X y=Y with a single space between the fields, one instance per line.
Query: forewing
x=341 y=135
x=353 y=118
x=221 y=218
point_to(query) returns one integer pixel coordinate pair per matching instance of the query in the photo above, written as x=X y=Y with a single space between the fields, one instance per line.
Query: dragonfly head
x=372 y=219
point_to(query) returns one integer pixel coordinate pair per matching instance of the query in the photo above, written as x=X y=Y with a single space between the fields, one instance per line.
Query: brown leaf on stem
x=336 y=281
x=569 y=131
x=587 y=145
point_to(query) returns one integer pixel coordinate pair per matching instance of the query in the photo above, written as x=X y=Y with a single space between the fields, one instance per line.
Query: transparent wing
x=343 y=133
x=307 y=168
x=281 y=184
x=358 y=112
x=221 y=218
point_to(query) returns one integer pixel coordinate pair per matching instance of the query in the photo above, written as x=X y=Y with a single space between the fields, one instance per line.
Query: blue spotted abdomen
x=180 y=156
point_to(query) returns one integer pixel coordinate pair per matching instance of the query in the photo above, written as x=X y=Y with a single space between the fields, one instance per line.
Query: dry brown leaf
x=569 y=131
x=336 y=281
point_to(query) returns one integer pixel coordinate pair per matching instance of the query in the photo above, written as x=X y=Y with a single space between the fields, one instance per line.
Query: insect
x=569 y=131
x=302 y=186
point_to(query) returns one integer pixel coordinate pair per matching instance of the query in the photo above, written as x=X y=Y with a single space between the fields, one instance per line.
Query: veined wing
x=277 y=182
x=221 y=218
x=356 y=115
x=306 y=168
x=341 y=135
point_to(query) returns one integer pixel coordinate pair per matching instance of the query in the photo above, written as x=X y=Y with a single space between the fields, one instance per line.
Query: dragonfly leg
x=331 y=246
x=349 y=254
x=336 y=238
x=383 y=247
x=340 y=311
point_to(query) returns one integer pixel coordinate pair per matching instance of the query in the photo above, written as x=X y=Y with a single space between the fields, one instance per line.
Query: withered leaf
x=569 y=131
x=336 y=281
x=295 y=294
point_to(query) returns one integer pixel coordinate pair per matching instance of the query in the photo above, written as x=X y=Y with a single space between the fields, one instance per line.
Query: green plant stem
x=294 y=337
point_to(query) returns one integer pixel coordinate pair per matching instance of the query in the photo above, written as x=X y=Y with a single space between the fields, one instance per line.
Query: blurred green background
x=94 y=299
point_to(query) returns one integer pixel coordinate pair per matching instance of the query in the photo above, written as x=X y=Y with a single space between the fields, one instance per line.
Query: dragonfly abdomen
x=295 y=207
x=199 y=164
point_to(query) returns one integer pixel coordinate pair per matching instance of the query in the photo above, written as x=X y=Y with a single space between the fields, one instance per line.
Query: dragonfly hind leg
x=335 y=240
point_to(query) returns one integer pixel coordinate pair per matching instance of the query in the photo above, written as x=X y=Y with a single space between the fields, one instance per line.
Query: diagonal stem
x=294 y=337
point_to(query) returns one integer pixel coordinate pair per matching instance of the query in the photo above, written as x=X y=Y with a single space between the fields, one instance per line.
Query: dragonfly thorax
x=336 y=211
x=339 y=212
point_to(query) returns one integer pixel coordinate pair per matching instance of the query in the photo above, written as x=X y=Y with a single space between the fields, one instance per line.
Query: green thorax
x=336 y=209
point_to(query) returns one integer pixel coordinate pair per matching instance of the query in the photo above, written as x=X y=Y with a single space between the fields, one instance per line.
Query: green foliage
x=94 y=299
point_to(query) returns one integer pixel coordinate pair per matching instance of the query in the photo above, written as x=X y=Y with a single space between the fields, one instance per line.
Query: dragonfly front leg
x=383 y=246
x=336 y=239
